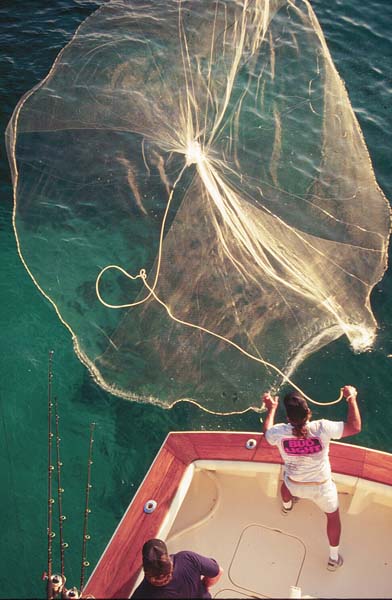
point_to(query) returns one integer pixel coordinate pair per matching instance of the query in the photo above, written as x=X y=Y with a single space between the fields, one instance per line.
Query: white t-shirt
x=306 y=459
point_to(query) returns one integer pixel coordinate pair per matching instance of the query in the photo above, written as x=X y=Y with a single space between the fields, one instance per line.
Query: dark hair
x=298 y=413
x=156 y=560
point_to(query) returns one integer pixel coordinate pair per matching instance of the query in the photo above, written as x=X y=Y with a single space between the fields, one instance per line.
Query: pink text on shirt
x=311 y=445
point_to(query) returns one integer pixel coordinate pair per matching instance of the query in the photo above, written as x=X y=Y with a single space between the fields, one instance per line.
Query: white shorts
x=325 y=495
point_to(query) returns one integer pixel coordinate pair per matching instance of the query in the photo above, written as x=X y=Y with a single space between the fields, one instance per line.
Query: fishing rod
x=55 y=583
x=60 y=491
x=87 y=510
x=50 y=532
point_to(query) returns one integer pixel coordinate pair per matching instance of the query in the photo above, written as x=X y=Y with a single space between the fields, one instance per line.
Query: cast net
x=209 y=149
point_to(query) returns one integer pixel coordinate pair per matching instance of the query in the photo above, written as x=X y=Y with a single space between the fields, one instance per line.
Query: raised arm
x=353 y=423
x=272 y=405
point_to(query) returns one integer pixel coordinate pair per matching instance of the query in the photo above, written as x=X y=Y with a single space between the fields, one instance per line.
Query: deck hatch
x=266 y=561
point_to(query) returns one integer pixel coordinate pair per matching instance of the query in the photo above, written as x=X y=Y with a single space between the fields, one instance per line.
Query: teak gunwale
x=119 y=566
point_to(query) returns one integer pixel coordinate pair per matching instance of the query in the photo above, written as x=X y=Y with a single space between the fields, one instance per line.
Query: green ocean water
x=128 y=435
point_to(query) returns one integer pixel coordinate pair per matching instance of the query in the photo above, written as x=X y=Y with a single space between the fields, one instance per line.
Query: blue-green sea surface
x=128 y=435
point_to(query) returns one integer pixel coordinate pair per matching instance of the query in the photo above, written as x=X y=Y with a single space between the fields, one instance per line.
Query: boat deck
x=217 y=493
x=235 y=518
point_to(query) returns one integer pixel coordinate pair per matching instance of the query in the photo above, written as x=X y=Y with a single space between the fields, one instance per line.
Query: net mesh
x=212 y=144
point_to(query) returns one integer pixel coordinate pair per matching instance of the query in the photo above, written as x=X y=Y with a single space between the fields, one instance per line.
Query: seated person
x=181 y=575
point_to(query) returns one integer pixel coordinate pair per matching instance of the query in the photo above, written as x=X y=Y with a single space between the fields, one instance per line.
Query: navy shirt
x=188 y=567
